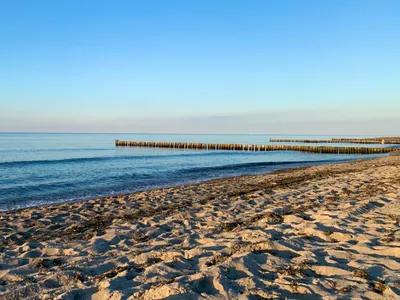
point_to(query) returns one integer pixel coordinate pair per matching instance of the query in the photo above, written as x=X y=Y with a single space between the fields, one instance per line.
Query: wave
x=254 y=165
x=53 y=161
x=12 y=150
x=120 y=157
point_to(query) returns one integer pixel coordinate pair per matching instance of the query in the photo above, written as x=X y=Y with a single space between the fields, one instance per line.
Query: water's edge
x=38 y=169
x=205 y=181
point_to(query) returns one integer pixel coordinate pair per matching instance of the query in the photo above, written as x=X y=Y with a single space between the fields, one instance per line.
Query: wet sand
x=322 y=232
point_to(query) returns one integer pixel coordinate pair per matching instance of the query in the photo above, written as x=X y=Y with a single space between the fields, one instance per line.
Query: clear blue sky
x=155 y=65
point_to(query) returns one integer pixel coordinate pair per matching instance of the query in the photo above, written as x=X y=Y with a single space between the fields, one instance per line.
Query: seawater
x=43 y=168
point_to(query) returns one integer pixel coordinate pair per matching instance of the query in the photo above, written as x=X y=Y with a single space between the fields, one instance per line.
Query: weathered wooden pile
x=379 y=140
x=246 y=147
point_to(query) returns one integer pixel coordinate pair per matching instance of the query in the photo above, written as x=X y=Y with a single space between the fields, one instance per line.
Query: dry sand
x=322 y=232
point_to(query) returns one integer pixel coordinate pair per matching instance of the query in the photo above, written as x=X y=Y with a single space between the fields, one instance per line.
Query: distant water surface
x=42 y=168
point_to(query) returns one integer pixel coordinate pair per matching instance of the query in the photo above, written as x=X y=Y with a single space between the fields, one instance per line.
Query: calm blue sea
x=37 y=168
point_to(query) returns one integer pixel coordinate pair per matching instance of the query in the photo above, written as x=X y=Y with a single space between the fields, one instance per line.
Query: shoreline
x=320 y=163
x=326 y=231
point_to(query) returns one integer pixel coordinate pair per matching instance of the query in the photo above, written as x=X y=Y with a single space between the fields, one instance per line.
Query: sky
x=295 y=67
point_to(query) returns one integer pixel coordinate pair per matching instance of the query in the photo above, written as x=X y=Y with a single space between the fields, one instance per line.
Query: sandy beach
x=322 y=232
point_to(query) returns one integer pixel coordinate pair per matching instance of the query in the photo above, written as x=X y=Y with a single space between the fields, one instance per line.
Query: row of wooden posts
x=376 y=140
x=370 y=138
x=341 y=140
x=246 y=147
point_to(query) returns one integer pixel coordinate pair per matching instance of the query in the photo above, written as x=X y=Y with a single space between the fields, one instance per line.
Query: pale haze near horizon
x=278 y=67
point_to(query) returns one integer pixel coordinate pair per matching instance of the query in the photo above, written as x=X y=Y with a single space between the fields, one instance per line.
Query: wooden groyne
x=340 y=140
x=302 y=141
x=389 y=138
x=252 y=147
x=376 y=140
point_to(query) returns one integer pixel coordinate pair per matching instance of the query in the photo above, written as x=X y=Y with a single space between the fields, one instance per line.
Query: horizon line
x=179 y=133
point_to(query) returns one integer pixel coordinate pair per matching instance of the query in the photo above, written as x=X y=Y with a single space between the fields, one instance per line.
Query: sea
x=43 y=168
